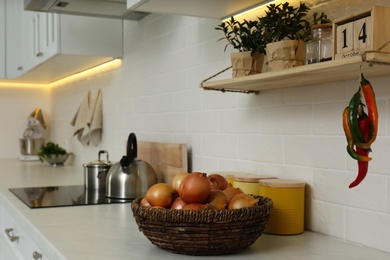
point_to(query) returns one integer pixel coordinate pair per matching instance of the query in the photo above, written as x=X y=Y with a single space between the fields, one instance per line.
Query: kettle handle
x=132 y=147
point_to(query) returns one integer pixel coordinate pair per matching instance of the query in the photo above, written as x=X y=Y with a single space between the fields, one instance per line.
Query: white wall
x=16 y=105
x=290 y=133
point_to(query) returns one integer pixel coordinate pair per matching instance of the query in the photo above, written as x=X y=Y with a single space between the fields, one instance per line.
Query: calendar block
x=345 y=38
x=362 y=31
x=366 y=31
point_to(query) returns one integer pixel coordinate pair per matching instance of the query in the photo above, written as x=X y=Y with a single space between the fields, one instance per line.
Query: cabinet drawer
x=16 y=239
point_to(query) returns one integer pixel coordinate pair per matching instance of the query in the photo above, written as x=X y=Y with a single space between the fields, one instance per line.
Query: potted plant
x=53 y=154
x=319 y=48
x=246 y=38
x=285 y=29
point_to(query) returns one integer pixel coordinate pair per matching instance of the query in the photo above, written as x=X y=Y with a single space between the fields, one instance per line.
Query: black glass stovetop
x=62 y=196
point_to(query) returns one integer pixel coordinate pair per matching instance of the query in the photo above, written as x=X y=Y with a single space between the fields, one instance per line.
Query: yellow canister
x=249 y=183
x=288 y=197
x=229 y=176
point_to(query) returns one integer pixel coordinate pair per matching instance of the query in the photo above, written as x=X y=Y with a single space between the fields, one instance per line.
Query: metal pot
x=95 y=173
x=30 y=146
x=130 y=178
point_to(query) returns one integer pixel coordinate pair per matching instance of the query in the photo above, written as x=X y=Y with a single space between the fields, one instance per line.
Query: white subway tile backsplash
x=219 y=145
x=322 y=93
x=286 y=119
x=189 y=100
x=332 y=186
x=174 y=122
x=219 y=100
x=261 y=148
x=264 y=98
x=203 y=122
x=325 y=218
x=315 y=151
x=368 y=228
x=244 y=121
x=327 y=118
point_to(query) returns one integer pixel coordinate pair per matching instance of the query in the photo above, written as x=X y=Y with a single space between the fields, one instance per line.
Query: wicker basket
x=206 y=232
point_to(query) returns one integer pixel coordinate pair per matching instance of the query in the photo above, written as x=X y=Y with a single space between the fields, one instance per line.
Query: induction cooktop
x=62 y=196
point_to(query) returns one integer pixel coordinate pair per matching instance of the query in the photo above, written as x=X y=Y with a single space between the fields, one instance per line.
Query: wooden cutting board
x=167 y=159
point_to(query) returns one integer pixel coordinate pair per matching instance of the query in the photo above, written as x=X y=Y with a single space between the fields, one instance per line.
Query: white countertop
x=110 y=232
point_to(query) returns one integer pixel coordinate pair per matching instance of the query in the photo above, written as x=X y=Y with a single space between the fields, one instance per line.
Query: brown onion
x=217 y=199
x=242 y=201
x=195 y=206
x=195 y=188
x=178 y=203
x=177 y=180
x=217 y=181
x=144 y=202
x=160 y=194
x=232 y=191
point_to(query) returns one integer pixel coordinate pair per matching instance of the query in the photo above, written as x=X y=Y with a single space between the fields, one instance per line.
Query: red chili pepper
x=364 y=127
x=351 y=141
x=369 y=96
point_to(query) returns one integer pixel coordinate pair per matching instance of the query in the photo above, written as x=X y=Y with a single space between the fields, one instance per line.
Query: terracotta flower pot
x=285 y=54
x=244 y=64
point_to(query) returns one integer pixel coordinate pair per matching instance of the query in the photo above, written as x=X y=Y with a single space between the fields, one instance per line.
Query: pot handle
x=103 y=152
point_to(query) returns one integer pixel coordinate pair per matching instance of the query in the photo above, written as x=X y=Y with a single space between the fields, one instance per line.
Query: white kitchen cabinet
x=14 y=241
x=45 y=47
x=202 y=8
x=2 y=38
x=42 y=31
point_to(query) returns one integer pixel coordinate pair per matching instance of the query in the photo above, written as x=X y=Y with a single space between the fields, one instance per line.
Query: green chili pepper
x=350 y=140
x=353 y=116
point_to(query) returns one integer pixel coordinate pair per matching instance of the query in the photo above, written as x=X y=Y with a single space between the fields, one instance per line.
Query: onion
x=195 y=188
x=242 y=201
x=218 y=181
x=144 y=202
x=177 y=180
x=232 y=191
x=160 y=194
x=217 y=199
x=178 y=203
x=195 y=206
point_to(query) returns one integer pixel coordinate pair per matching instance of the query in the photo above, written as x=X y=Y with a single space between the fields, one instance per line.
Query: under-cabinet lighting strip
x=114 y=64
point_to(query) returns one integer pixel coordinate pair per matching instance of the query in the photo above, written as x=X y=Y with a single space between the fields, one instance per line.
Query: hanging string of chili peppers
x=361 y=128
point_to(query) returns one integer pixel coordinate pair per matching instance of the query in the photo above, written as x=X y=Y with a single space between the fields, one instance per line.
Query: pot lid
x=99 y=163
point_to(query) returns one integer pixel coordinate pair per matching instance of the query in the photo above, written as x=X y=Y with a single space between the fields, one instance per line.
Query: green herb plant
x=321 y=18
x=283 y=21
x=50 y=149
x=243 y=36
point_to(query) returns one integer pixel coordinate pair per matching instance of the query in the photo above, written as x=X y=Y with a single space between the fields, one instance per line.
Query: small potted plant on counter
x=53 y=154
x=285 y=31
x=246 y=38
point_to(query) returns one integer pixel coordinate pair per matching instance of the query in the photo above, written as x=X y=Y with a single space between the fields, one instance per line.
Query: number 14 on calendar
x=353 y=37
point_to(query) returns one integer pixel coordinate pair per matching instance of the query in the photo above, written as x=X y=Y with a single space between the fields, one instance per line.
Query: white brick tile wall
x=368 y=228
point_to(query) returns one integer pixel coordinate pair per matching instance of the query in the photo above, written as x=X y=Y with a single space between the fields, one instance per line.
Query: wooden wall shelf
x=371 y=64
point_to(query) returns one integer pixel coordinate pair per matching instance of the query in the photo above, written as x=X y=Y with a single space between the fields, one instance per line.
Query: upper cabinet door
x=2 y=38
x=16 y=40
x=202 y=8
x=42 y=30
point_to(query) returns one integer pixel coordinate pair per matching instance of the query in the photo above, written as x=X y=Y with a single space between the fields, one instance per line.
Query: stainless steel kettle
x=130 y=178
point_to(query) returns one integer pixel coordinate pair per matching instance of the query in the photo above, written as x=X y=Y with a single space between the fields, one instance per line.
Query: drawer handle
x=11 y=237
x=36 y=255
